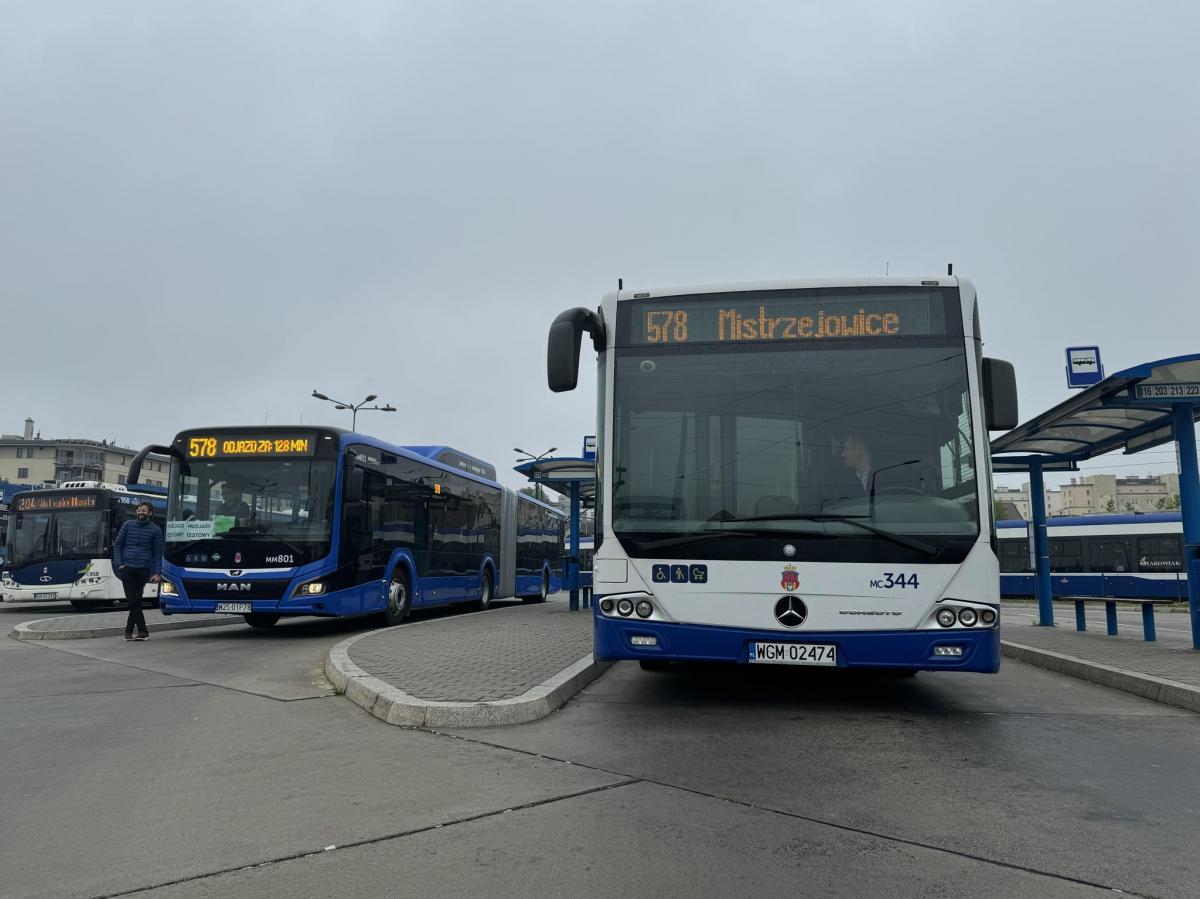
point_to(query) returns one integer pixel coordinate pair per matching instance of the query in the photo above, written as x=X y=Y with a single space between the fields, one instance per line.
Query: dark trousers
x=134 y=581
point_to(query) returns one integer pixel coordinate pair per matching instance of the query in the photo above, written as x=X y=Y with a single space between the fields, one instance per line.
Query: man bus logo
x=223 y=587
x=791 y=580
x=791 y=611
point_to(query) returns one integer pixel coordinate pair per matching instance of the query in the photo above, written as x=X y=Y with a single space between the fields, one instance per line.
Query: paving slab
x=505 y=666
x=1166 y=670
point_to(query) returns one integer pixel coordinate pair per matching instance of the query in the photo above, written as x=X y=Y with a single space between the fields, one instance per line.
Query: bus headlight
x=946 y=617
x=644 y=609
x=312 y=588
x=167 y=588
x=967 y=617
x=625 y=608
x=606 y=606
x=988 y=617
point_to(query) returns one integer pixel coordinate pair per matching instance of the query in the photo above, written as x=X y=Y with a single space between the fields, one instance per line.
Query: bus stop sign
x=1083 y=366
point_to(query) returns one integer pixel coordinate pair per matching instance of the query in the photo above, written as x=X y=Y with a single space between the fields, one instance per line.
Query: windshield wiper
x=901 y=539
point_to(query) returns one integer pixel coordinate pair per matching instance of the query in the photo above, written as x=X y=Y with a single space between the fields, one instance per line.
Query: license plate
x=793 y=654
x=234 y=608
x=45 y=596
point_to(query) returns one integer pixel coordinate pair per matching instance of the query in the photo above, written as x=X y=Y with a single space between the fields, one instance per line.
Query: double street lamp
x=535 y=457
x=355 y=407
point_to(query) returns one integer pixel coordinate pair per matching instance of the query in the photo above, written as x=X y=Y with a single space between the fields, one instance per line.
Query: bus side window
x=1066 y=554
x=1110 y=554
x=1160 y=553
x=1014 y=556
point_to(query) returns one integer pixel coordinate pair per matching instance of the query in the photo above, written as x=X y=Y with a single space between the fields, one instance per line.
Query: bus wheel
x=655 y=664
x=541 y=597
x=398 y=600
x=485 y=592
x=261 y=619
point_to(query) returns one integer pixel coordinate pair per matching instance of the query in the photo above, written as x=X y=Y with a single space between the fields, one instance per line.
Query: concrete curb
x=1147 y=686
x=25 y=631
x=392 y=705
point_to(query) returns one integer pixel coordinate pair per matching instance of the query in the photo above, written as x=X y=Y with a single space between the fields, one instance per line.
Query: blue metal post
x=1041 y=545
x=1110 y=617
x=1189 y=502
x=1149 y=634
x=573 y=561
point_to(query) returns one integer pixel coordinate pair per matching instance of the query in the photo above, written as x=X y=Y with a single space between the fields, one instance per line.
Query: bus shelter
x=575 y=478
x=1136 y=409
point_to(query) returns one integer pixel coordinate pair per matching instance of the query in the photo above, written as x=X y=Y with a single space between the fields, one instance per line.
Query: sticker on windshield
x=222 y=523
x=186 y=531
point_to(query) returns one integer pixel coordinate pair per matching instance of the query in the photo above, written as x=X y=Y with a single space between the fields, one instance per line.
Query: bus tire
x=261 y=619
x=485 y=591
x=654 y=664
x=399 y=599
x=545 y=590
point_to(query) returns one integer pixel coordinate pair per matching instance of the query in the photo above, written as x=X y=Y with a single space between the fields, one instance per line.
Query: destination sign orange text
x=225 y=446
x=37 y=503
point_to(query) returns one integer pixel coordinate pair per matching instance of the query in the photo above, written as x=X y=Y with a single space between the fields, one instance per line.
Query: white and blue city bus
x=794 y=472
x=283 y=521
x=60 y=542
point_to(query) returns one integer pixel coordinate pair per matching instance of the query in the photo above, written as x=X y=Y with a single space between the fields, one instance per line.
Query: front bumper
x=911 y=650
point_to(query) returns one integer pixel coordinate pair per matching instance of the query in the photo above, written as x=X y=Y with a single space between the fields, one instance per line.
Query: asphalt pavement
x=213 y=763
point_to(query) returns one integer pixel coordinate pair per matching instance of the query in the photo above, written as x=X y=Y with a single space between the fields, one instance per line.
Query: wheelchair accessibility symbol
x=661 y=574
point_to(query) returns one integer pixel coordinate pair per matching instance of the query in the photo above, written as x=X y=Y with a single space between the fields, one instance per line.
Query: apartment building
x=31 y=459
x=1098 y=494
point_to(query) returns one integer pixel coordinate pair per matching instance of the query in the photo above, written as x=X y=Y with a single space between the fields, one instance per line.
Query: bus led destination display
x=228 y=446
x=36 y=503
x=795 y=318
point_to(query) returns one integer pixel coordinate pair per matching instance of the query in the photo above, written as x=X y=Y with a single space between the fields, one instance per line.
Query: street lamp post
x=355 y=407
x=535 y=458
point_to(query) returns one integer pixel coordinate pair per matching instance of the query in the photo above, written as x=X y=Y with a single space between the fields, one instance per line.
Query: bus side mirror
x=354 y=484
x=999 y=395
x=562 y=347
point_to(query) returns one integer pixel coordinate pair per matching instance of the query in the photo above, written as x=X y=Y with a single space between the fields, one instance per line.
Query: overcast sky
x=209 y=209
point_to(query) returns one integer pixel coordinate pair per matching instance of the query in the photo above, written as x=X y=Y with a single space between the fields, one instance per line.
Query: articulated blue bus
x=282 y=521
x=60 y=542
x=1113 y=556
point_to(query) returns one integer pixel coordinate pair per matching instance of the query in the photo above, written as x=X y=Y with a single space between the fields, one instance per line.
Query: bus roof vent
x=92 y=485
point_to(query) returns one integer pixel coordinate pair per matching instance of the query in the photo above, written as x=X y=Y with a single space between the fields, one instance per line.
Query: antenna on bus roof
x=620 y=283
x=949 y=268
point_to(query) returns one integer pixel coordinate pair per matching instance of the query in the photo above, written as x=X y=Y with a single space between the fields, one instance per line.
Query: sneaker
x=142 y=637
x=129 y=636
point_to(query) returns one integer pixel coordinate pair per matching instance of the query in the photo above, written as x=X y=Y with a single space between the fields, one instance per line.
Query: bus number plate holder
x=45 y=596
x=235 y=608
x=793 y=654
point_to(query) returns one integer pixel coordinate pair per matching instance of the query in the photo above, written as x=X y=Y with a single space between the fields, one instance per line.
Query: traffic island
x=505 y=666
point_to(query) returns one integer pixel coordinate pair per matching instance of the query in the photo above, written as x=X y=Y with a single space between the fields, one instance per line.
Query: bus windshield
x=283 y=506
x=809 y=439
x=40 y=536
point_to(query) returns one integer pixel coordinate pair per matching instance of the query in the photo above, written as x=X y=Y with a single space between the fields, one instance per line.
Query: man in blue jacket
x=137 y=559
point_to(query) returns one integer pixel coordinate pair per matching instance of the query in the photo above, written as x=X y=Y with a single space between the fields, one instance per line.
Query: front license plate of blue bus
x=235 y=608
x=793 y=654
x=45 y=596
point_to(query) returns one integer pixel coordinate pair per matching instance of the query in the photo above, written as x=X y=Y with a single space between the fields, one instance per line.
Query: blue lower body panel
x=893 y=649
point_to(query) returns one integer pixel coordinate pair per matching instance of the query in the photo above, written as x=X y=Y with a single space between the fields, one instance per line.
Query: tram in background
x=794 y=472
x=60 y=542
x=284 y=521
x=1116 y=556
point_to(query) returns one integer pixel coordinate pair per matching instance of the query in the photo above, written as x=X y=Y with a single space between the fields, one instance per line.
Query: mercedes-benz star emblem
x=790 y=611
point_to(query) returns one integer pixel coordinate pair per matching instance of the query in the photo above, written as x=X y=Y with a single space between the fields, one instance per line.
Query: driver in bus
x=856 y=456
x=232 y=504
